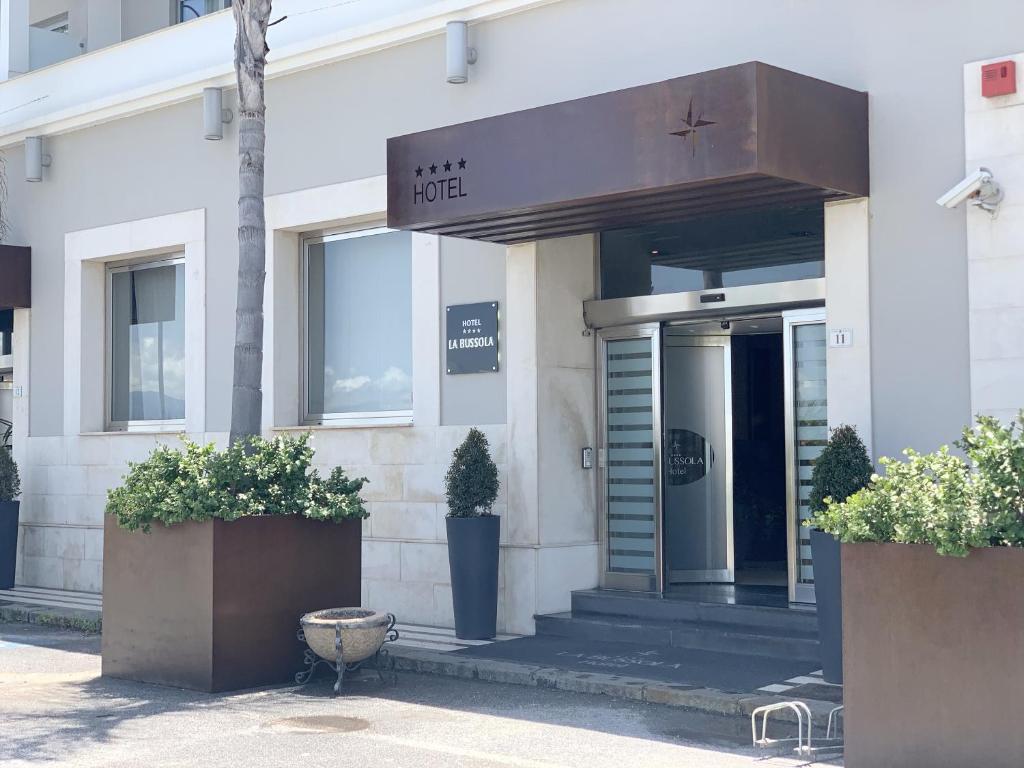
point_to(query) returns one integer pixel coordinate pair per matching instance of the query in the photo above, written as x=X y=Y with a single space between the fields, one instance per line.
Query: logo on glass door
x=685 y=461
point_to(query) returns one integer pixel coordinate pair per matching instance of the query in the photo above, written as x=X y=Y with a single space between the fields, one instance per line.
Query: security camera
x=725 y=325
x=979 y=188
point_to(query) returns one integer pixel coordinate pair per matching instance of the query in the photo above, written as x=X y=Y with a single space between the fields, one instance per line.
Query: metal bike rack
x=833 y=721
x=804 y=724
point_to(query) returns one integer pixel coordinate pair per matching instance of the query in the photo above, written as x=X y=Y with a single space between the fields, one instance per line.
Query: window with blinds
x=630 y=456
x=810 y=410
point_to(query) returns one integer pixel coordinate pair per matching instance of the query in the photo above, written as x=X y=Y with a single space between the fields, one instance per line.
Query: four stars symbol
x=447 y=167
x=690 y=131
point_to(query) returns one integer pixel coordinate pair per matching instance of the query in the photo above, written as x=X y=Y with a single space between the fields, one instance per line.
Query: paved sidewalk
x=54 y=709
x=433 y=651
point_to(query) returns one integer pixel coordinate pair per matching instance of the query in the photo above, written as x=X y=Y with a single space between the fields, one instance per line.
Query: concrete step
x=734 y=708
x=56 y=598
x=609 y=603
x=706 y=636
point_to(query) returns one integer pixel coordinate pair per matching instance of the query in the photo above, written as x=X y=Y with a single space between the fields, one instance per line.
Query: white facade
x=994 y=131
x=132 y=178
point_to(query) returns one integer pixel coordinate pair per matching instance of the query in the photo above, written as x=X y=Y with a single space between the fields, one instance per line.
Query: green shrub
x=10 y=482
x=471 y=483
x=842 y=468
x=997 y=454
x=252 y=477
x=953 y=503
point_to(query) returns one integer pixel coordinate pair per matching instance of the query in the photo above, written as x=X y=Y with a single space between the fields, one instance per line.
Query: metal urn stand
x=381 y=662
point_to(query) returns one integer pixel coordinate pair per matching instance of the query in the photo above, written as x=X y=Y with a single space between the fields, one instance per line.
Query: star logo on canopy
x=692 y=126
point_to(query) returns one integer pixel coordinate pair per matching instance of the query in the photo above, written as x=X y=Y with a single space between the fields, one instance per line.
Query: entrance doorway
x=712 y=427
x=725 y=456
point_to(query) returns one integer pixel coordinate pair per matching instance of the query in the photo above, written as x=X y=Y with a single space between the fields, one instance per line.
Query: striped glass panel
x=809 y=410
x=630 y=456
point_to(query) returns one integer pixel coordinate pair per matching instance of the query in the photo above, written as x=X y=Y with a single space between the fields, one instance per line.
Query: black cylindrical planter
x=473 y=563
x=8 y=541
x=828 y=594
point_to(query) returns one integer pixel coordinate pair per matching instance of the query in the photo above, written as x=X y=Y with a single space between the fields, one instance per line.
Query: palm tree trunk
x=251 y=20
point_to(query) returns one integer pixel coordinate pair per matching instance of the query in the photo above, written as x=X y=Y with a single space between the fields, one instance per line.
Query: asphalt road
x=55 y=710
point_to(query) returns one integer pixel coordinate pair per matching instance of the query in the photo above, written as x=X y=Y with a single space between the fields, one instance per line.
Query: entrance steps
x=686 y=622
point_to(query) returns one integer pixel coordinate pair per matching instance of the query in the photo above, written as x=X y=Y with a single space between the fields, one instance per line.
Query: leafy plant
x=842 y=468
x=952 y=503
x=252 y=477
x=996 y=452
x=471 y=483
x=10 y=482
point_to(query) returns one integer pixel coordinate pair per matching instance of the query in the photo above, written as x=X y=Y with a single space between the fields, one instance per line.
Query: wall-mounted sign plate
x=472 y=338
x=840 y=337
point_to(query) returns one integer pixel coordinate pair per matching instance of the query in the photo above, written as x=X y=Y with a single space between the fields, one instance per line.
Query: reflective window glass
x=359 y=325
x=722 y=251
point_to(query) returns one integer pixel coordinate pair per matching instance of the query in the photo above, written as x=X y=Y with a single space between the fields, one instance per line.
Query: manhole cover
x=320 y=724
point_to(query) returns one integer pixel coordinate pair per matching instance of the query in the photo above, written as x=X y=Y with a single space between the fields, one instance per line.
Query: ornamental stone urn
x=362 y=632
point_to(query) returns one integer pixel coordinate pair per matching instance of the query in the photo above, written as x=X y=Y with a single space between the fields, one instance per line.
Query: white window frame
x=130 y=425
x=346 y=417
x=345 y=206
x=87 y=253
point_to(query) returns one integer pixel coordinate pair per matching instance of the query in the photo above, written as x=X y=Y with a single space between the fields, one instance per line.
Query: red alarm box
x=998 y=79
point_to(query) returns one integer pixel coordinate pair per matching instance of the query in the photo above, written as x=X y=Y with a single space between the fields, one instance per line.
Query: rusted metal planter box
x=215 y=606
x=933 y=657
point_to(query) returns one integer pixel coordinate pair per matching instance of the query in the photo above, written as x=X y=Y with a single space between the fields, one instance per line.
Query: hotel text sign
x=438 y=182
x=472 y=338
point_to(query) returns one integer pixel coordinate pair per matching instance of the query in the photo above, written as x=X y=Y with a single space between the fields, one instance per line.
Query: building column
x=21 y=346
x=551 y=546
x=995 y=248
x=848 y=307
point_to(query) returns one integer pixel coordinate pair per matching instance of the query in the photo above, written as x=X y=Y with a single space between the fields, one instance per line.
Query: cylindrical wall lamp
x=214 y=114
x=459 y=54
x=35 y=158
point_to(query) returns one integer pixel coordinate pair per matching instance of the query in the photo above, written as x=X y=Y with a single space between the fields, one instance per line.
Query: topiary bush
x=252 y=477
x=842 y=468
x=471 y=483
x=10 y=481
x=953 y=503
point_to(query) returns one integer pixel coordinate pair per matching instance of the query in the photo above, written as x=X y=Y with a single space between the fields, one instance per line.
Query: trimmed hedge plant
x=952 y=502
x=842 y=468
x=252 y=477
x=471 y=483
x=10 y=482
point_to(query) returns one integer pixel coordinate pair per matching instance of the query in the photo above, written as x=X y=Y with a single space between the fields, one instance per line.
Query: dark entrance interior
x=759 y=460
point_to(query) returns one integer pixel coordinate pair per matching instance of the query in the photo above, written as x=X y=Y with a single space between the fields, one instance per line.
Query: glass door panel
x=697 y=469
x=628 y=459
x=807 y=434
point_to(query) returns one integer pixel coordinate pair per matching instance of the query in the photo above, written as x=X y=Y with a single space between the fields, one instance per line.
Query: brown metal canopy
x=746 y=136
x=15 y=277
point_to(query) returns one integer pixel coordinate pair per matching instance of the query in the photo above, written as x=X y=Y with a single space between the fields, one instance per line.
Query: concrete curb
x=704 y=700
x=62 y=618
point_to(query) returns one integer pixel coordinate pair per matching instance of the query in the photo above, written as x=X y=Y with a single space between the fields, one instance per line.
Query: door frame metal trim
x=666 y=307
